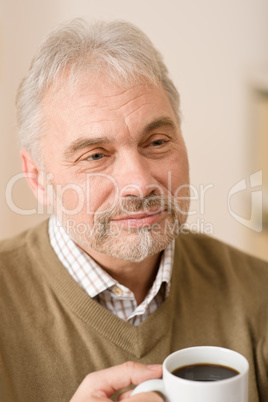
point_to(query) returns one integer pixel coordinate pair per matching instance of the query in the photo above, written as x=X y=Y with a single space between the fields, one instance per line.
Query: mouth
x=139 y=220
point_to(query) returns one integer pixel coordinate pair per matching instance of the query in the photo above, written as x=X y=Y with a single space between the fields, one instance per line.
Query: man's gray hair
x=119 y=49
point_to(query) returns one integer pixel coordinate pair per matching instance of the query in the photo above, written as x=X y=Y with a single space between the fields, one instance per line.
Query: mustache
x=150 y=204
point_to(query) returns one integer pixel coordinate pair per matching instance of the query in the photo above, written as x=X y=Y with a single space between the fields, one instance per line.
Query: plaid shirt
x=100 y=286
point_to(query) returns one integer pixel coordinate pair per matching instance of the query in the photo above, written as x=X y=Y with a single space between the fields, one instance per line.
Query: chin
x=134 y=247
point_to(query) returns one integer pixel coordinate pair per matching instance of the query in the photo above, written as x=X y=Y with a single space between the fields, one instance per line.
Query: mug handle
x=150 y=385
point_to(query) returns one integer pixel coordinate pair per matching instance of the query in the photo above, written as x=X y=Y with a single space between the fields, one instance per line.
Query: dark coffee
x=205 y=372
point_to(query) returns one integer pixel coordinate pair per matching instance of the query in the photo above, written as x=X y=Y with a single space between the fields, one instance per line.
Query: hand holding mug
x=203 y=374
x=101 y=385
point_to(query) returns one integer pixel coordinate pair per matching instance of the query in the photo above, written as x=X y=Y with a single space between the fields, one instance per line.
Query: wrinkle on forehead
x=62 y=103
x=86 y=106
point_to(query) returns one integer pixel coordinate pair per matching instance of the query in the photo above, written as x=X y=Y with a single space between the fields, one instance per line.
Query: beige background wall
x=217 y=53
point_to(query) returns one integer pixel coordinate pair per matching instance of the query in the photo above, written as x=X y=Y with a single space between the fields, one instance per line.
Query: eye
x=157 y=143
x=95 y=157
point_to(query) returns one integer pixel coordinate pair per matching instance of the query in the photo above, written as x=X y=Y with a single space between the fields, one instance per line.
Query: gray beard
x=133 y=244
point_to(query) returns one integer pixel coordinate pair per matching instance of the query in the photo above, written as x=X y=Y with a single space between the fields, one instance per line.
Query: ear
x=35 y=177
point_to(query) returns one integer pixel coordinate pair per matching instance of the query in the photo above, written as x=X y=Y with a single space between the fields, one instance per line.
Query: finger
x=144 y=396
x=118 y=377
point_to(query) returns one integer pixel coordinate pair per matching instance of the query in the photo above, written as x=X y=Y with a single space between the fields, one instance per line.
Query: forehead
x=99 y=104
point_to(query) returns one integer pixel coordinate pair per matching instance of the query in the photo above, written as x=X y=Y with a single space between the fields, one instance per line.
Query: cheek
x=82 y=199
x=70 y=198
x=181 y=184
x=100 y=192
x=180 y=177
x=174 y=174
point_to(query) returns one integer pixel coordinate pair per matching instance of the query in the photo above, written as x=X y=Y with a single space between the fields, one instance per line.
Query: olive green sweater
x=52 y=333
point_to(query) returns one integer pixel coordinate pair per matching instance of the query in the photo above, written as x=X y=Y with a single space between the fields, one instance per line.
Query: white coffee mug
x=174 y=389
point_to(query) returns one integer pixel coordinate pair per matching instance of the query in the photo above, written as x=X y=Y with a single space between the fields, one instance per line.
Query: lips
x=140 y=219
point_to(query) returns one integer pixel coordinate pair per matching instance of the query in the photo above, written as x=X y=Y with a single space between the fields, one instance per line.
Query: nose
x=135 y=176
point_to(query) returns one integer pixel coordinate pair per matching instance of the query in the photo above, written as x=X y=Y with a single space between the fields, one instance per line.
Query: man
x=109 y=279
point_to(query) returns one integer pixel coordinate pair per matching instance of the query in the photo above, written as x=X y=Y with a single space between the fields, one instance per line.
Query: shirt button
x=118 y=291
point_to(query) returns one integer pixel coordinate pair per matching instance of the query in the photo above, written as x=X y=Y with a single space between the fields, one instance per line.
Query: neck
x=136 y=276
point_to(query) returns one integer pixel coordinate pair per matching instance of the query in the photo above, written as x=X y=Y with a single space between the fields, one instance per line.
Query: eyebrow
x=83 y=142
x=162 y=122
